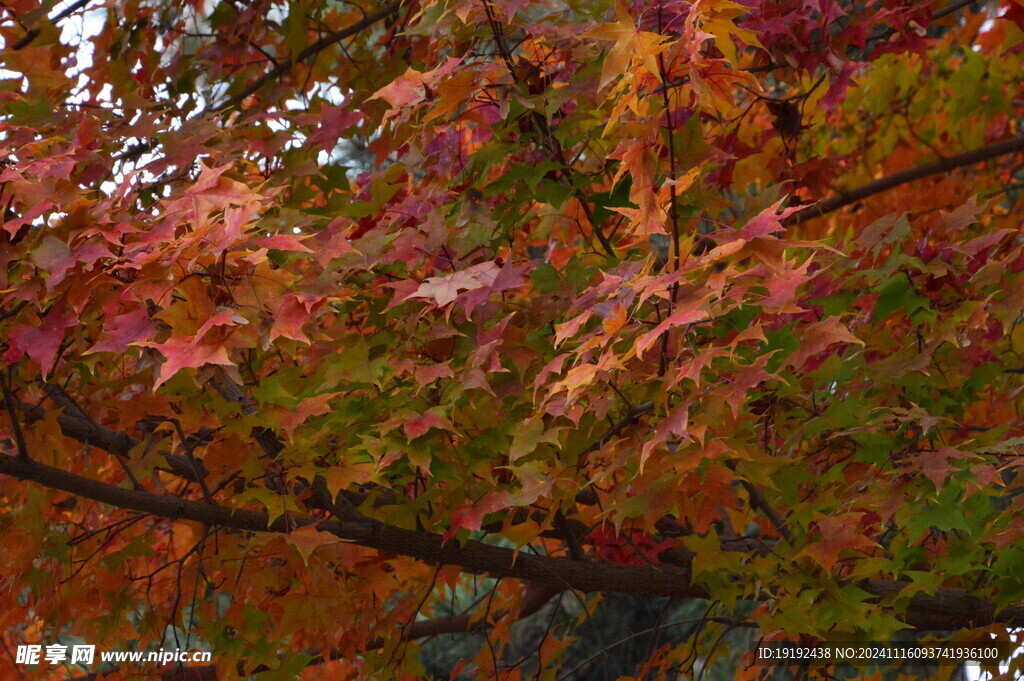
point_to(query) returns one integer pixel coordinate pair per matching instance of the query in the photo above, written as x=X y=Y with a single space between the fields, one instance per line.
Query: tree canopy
x=319 y=318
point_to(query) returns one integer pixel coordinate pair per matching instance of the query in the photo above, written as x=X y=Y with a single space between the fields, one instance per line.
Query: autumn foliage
x=315 y=315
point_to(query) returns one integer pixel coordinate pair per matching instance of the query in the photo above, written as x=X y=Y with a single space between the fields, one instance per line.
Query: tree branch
x=19 y=438
x=632 y=415
x=890 y=31
x=947 y=609
x=81 y=426
x=943 y=165
x=758 y=502
x=314 y=49
x=33 y=33
x=542 y=128
x=455 y=624
x=473 y=556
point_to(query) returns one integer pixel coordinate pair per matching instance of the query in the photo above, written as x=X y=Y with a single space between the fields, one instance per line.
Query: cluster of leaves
x=311 y=312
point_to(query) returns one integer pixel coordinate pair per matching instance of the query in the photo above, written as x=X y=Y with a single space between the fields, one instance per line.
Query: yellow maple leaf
x=630 y=43
x=718 y=20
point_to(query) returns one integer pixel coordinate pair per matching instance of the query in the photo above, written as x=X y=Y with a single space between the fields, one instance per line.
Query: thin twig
x=7 y=314
x=19 y=437
x=673 y=208
x=758 y=502
x=27 y=39
x=772 y=66
x=313 y=50
x=200 y=478
x=542 y=128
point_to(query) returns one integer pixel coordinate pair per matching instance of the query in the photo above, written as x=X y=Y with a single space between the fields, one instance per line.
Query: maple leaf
x=676 y=423
x=402 y=91
x=529 y=436
x=767 y=221
x=290 y=313
x=444 y=290
x=55 y=257
x=418 y=424
x=570 y=328
x=40 y=342
x=688 y=310
x=938 y=466
x=744 y=381
x=428 y=374
x=308 y=539
x=782 y=288
x=284 y=242
x=123 y=330
x=818 y=337
x=209 y=177
x=212 y=192
x=337 y=245
x=471 y=516
x=838 y=534
x=717 y=19
x=334 y=120
x=181 y=351
x=311 y=406
x=630 y=43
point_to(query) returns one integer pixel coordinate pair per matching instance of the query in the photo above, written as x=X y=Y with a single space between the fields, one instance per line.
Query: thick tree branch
x=77 y=425
x=944 y=165
x=473 y=556
x=314 y=49
x=947 y=609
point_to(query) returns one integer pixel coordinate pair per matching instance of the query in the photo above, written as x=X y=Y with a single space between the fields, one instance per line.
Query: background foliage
x=327 y=328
